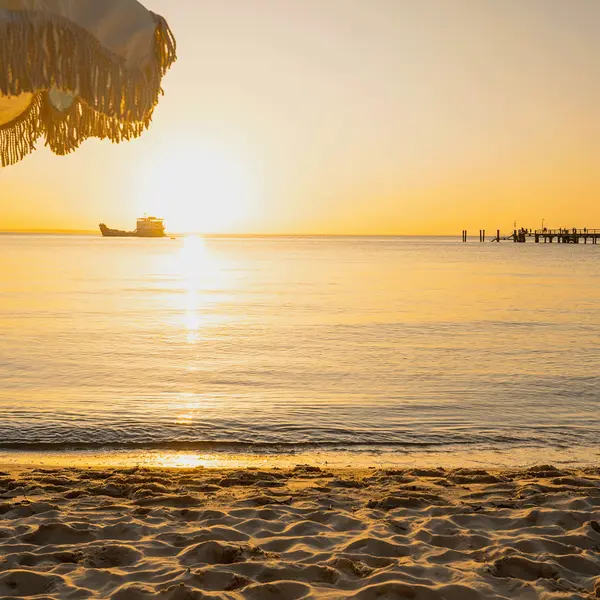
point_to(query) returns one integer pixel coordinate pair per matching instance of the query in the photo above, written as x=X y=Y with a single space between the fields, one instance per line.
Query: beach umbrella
x=74 y=69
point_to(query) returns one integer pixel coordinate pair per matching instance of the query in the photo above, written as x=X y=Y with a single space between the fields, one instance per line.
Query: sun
x=198 y=187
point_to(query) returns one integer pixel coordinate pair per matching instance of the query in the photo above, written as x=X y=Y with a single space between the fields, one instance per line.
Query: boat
x=147 y=227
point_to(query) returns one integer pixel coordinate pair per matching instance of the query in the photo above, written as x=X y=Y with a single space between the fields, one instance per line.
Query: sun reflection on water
x=203 y=279
x=185 y=408
x=181 y=461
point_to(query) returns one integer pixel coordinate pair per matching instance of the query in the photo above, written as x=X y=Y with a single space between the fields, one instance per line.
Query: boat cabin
x=150 y=226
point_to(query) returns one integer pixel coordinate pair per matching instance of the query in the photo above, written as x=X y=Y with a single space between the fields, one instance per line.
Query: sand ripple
x=423 y=534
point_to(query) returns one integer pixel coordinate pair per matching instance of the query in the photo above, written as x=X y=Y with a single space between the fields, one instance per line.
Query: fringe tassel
x=18 y=138
x=166 y=46
x=41 y=51
x=65 y=131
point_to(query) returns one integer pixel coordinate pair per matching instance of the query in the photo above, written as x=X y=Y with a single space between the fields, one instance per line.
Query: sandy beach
x=249 y=356
x=132 y=534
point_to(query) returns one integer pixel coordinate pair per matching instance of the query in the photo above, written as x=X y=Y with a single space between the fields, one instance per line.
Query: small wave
x=223 y=446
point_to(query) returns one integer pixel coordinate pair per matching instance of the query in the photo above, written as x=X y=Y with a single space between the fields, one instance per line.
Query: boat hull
x=107 y=232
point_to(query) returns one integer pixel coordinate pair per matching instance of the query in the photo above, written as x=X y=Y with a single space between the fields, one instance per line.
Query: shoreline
x=509 y=458
x=300 y=532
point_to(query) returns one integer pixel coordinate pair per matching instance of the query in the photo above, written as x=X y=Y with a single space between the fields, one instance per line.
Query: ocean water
x=292 y=345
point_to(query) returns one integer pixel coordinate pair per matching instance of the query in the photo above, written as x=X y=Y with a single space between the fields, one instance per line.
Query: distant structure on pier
x=560 y=236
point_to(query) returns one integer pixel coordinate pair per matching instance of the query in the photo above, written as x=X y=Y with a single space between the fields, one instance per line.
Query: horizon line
x=89 y=232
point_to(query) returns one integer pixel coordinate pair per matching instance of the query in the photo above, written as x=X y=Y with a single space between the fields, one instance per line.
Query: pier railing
x=573 y=231
x=561 y=236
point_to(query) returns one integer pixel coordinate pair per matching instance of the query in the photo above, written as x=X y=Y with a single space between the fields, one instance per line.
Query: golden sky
x=348 y=116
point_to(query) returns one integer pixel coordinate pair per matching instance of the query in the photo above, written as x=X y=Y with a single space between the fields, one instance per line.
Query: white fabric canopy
x=73 y=69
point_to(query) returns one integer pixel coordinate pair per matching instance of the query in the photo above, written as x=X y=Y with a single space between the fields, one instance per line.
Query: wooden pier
x=567 y=236
x=547 y=236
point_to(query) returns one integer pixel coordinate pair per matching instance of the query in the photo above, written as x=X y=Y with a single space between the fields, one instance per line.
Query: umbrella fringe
x=64 y=131
x=166 y=46
x=18 y=138
x=40 y=52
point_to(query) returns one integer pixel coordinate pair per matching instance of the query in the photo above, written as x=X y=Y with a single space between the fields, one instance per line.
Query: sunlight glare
x=203 y=279
x=181 y=461
x=200 y=187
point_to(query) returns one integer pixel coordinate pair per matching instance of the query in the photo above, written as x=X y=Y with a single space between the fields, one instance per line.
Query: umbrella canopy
x=74 y=69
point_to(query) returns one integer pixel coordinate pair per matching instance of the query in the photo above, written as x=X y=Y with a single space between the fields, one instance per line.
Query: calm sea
x=286 y=345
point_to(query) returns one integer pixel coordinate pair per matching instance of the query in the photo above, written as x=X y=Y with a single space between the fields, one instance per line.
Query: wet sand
x=302 y=532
